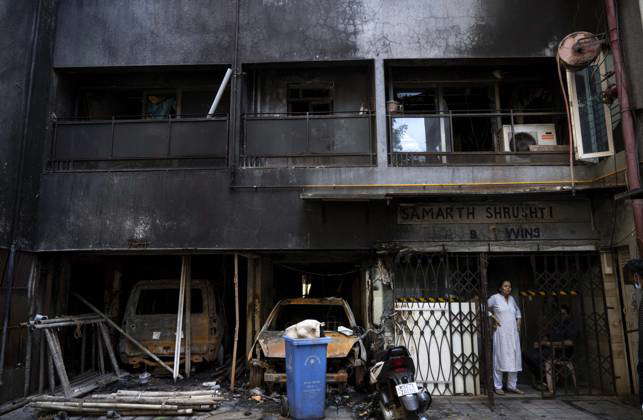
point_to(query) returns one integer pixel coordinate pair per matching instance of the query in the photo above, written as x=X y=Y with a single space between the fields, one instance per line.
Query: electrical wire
x=569 y=122
x=298 y=270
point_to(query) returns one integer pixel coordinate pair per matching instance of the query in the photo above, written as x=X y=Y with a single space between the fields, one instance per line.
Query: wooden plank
x=236 y=325
x=54 y=347
x=179 y=327
x=51 y=375
x=101 y=356
x=31 y=296
x=110 y=350
x=186 y=267
x=41 y=366
x=83 y=348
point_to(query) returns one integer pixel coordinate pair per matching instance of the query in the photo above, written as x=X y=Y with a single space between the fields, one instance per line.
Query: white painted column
x=381 y=125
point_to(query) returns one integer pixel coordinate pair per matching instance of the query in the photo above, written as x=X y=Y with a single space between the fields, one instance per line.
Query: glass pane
x=591 y=110
x=421 y=134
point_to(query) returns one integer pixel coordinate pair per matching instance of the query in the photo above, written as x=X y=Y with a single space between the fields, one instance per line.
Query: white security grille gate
x=443 y=341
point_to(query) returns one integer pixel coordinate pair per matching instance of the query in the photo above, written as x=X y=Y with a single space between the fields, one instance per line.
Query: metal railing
x=277 y=139
x=476 y=138
x=77 y=141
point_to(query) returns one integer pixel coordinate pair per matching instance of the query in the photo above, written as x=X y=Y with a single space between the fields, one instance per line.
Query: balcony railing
x=478 y=138
x=341 y=139
x=98 y=144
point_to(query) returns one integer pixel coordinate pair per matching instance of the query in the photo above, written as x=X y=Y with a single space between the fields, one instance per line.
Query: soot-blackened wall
x=147 y=32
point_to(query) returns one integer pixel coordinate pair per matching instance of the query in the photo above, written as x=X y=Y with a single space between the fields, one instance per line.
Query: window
x=434 y=124
x=313 y=99
x=591 y=120
x=165 y=302
x=448 y=114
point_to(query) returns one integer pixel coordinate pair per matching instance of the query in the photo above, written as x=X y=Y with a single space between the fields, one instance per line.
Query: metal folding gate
x=440 y=302
x=581 y=364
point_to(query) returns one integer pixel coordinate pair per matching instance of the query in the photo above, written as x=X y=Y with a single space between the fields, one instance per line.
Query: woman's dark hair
x=500 y=285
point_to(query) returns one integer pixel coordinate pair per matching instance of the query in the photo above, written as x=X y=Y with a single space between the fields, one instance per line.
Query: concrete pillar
x=617 y=339
x=259 y=296
x=381 y=128
x=383 y=301
x=112 y=294
x=251 y=285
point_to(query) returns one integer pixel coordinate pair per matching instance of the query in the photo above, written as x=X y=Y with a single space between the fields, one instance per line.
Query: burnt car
x=150 y=317
x=346 y=353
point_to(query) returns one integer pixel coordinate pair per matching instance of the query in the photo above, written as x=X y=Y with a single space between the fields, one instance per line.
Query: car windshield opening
x=166 y=301
x=332 y=315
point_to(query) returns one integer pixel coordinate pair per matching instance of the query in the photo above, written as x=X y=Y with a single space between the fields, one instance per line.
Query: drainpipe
x=631 y=153
x=627 y=122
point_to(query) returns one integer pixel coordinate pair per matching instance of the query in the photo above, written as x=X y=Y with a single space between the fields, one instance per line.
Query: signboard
x=500 y=221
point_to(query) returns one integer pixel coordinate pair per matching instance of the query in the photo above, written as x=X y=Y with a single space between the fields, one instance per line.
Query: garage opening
x=140 y=294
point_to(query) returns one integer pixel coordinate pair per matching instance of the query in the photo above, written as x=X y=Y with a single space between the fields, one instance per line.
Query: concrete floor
x=442 y=408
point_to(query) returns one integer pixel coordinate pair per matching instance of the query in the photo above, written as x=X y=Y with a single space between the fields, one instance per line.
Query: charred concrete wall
x=18 y=26
x=108 y=33
x=26 y=56
x=631 y=26
x=196 y=209
x=169 y=209
x=146 y=32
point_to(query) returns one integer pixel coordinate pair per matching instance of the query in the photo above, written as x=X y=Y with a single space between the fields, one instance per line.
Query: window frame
x=319 y=100
x=577 y=136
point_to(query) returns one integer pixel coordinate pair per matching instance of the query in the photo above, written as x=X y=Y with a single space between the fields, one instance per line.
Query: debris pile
x=133 y=403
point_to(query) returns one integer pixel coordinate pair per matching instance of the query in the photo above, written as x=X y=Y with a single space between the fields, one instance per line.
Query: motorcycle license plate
x=406 y=389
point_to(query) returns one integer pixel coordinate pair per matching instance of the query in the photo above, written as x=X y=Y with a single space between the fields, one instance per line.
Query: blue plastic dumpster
x=306 y=376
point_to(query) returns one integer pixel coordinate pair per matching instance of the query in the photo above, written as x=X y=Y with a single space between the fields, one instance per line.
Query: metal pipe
x=186 y=265
x=627 y=122
x=217 y=98
x=179 y=323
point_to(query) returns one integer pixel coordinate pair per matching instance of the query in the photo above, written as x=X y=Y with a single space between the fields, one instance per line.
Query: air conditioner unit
x=524 y=135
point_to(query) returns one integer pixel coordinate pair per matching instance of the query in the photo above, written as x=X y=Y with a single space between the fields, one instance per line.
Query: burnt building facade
x=407 y=156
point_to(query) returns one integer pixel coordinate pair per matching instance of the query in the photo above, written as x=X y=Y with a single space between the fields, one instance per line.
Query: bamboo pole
x=236 y=325
x=56 y=352
x=31 y=297
x=129 y=337
x=109 y=405
x=179 y=323
x=164 y=393
x=187 y=267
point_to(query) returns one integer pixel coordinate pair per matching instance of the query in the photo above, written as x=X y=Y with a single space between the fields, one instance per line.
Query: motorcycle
x=393 y=376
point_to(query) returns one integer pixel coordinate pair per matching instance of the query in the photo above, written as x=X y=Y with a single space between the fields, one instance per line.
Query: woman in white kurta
x=506 y=338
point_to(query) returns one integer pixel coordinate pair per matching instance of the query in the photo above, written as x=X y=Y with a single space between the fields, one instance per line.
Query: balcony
x=139 y=143
x=280 y=140
x=478 y=138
